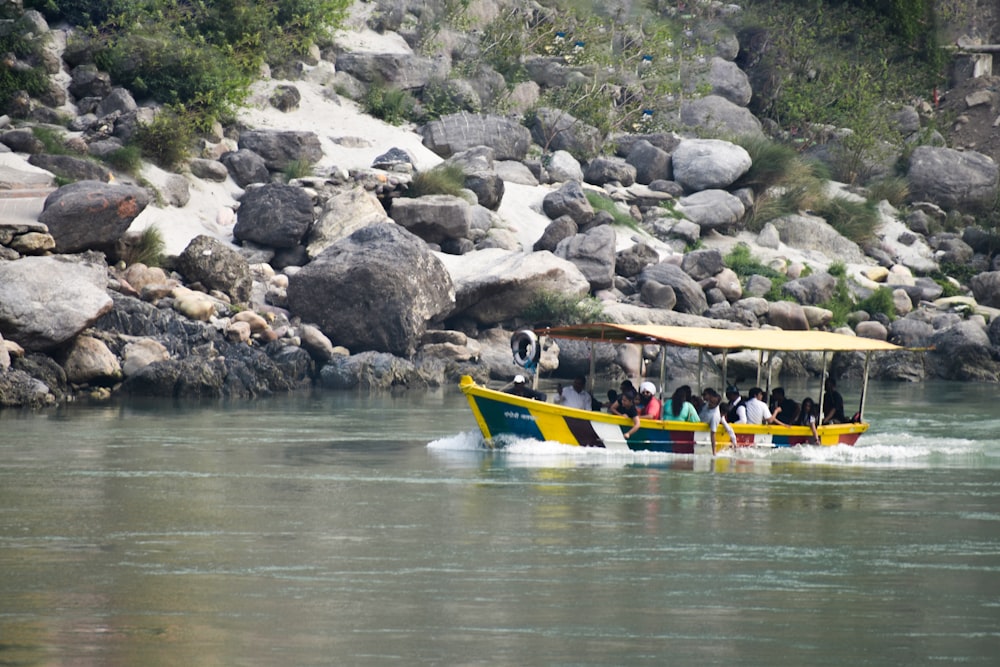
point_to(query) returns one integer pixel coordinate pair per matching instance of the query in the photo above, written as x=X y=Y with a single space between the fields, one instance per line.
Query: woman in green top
x=679 y=408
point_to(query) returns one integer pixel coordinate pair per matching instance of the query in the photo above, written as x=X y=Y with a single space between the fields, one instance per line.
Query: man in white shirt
x=575 y=396
x=757 y=410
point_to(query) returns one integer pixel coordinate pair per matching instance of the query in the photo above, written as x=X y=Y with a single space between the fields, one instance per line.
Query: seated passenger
x=757 y=411
x=783 y=408
x=574 y=396
x=650 y=406
x=735 y=408
x=613 y=395
x=679 y=408
x=833 y=404
x=626 y=407
x=521 y=388
x=809 y=416
x=711 y=415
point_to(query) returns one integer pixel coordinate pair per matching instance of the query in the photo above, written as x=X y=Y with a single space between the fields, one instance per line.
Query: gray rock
x=208 y=170
x=559 y=229
x=343 y=214
x=986 y=288
x=807 y=232
x=704 y=164
x=811 y=290
x=285 y=98
x=217 y=266
x=569 y=200
x=461 y=131
x=274 y=215
x=334 y=291
x=562 y=167
x=787 y=315
x=405 y=71
x=118 y=101
x=72 y=168
x=280 y=148
x=963 y=352
x=717 y=114
x=951 y=178
x=434 y=218
x=872 y=329
x=91 y=215
x=712 y=209
x=593 y=253
x=46 y=301
x=87 y=81
x=554 y=130
x=631 y=261
x=658 y=295
x=495 y=285
x=89 y=361
x=602 y=170
x=651 y=163
x=690 y=297
x=246 y=167
x=702 y=264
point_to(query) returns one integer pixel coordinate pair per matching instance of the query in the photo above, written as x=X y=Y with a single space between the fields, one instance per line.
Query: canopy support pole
x=770 y=360
x=663 y=368
x=864 y=387
x=725 y=372
x=822 y=390
x=538 y=368
x=593 y=366
x=760 y=362
x=701 y=367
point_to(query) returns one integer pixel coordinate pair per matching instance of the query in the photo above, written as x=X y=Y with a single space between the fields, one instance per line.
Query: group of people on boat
x=708 y=407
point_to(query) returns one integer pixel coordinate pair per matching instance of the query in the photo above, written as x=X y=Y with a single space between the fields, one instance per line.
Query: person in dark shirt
x=626 y=407
x=521 y=388
x=833 y=404
x=784 y=408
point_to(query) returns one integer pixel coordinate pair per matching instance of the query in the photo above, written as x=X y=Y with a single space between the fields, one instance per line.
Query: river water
x=344 y=529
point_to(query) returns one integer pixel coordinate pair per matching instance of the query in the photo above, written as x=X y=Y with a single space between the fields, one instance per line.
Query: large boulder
x=274 y=215
x=434 y=218
x=569 y=200
x=651 y=163
x=217 y=266
x=712 y=209
x=281 y=148
x=690 y=296
x=986 y=288
x=951 y=178
x=963 y=352
x=717 y=114
x=377 y=290
x=554 y=130
x=343 y=214
x=495 y=285
x=807 y=232
x=46 y=301
x=593 y=253
x=246 y=167
x=705 y=164
x=91 y=215
x=461 y=131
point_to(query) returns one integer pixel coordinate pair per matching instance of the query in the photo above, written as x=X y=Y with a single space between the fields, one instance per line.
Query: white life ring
x=527 y=351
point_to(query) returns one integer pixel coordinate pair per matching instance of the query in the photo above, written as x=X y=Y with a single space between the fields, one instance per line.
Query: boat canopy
x=719 y=339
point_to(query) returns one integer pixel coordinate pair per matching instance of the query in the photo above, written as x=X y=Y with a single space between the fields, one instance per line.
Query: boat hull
x=501 y=415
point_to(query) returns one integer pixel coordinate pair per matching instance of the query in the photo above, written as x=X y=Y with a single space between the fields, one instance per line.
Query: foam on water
x=874 y=450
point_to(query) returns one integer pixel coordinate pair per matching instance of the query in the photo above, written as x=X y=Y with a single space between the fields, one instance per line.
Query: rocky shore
x=344 y=278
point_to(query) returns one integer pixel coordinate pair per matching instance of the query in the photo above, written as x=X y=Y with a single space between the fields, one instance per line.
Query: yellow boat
x=501 y=415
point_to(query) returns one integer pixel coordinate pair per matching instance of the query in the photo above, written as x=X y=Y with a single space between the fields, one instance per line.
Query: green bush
x=856 y=220
x=601 y=203
x=127 y=159
x=772 y=163
x=51 y=139
x=893 y=189
x=34 y=81
x=841 y=303
x=549 y=308
x=444 y=179
x=146 y=249
x=297 y=169
x=392 y=105
x=880 y=301
x=168 y=138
